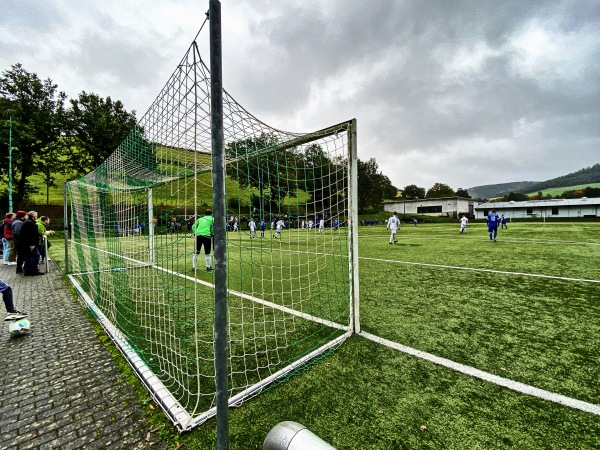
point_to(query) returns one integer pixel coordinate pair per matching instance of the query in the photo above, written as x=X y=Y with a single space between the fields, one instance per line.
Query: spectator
x=29 y=239
x=42 y=224
x=11 y=312
x=16 y=229
x=8 y=243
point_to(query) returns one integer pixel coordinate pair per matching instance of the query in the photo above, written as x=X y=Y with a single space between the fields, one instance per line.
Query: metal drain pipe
x=290 y=435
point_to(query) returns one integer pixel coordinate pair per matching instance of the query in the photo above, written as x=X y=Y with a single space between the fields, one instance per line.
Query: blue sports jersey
x=492 y=219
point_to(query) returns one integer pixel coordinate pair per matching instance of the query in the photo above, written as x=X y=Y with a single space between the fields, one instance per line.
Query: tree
x=36 y=112
x=515 y=197
x=439 y=190
x=460 y=192
x=95 y=128
x=413 y=191
x=252 y=166
x=372 y=185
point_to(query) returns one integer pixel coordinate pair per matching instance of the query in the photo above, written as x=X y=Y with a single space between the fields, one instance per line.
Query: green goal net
x=291 y=246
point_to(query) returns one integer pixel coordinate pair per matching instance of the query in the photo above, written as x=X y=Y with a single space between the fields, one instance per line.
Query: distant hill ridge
x=583 y=176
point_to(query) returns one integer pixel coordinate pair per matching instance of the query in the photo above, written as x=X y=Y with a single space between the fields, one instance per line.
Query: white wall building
x=532 y=209
x=445 y=206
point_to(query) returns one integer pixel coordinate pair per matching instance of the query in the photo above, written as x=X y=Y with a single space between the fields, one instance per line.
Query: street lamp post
x=10 y=202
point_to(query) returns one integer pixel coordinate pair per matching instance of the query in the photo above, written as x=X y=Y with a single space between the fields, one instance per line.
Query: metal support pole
x=66 y=226
x=353 y=206
x=10 y=201
x=220 y=237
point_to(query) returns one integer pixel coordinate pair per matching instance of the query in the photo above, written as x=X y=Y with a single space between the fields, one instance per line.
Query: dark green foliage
x=95 y=128
x=373 y=185
x=439 y=190
x=36 y=110
x=460 y=192
x=413 y=191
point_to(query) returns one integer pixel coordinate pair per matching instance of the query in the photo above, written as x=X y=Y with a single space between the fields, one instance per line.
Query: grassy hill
x=555 y=192
x=589 y=176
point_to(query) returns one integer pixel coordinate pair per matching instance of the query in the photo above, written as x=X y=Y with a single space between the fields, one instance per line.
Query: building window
x=429 y=209
x=529 y=210
x=555 y=210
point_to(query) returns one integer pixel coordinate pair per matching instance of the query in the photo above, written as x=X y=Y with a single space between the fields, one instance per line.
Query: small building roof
x=541 y=203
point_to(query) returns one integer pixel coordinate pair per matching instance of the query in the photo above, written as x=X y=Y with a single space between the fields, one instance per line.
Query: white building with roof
x=446 y=206
x=545 y=209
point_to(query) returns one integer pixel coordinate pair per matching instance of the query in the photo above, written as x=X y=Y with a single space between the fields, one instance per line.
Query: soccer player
x=262 y=228
x=503 y=220
x=392 y=224
x=336 y=224
x=310 y=225
x=463 y=224
x=279 y=225
x=492 y=223
x=203 y=229
x=321 y=226
x=252 y=226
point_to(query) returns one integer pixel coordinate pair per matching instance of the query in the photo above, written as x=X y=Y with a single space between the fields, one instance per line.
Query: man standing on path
x=204 y=231
x=392 y=224
x=29 y=240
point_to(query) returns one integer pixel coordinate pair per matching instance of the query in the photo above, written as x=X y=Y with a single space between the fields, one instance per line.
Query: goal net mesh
x=131 y=247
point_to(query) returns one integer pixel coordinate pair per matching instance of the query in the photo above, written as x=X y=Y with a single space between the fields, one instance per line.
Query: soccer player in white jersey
x=321 y=226
x=463 y=224
x=252 y=226
x=392 y=224
x=279 y=226
x=310 y=225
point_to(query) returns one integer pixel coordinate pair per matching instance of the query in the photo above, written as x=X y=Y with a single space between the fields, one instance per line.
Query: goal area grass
x=525 y=308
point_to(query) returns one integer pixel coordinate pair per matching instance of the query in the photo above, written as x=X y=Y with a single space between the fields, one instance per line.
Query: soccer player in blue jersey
x=492 y=222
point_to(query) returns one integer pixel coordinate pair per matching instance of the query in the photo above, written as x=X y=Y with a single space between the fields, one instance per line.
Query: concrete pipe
x=293 y=436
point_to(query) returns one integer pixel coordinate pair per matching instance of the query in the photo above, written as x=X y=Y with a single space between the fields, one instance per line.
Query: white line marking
x=441 y=266
x=486 y=376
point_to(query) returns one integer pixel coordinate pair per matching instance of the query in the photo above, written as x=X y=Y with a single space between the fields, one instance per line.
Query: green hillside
x=584 y=177
x=555 y=192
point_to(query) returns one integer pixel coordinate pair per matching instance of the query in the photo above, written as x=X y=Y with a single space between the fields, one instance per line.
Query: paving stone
x=61 y=389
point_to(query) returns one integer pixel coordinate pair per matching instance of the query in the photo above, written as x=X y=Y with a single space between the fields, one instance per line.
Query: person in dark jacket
x=16 y=228
x=29 y=240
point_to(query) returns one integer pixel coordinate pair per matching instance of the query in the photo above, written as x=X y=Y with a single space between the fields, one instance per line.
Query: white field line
x=471 y=237
x=491 y=378
x=261 y=301
x=523 y=274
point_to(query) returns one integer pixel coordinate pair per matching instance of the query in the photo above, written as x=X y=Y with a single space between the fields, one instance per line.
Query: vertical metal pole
x=220 y=238
x=353 y=204
x=10 y=202
x=66 y=227
x=151 y=225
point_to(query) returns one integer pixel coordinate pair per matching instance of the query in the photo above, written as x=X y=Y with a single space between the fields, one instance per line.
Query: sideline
x=486 y=376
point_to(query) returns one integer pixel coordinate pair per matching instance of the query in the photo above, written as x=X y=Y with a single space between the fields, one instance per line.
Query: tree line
x=52 y=135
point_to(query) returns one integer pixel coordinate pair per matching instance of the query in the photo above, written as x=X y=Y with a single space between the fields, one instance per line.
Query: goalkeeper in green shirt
x=204 y=231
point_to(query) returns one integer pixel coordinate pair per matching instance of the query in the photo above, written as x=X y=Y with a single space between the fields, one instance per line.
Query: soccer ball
x=18 y=327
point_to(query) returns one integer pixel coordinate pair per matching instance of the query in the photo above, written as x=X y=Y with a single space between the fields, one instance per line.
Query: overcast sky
x=461 y=92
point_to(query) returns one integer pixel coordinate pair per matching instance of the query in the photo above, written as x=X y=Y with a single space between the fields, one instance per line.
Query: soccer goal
x=292 y=295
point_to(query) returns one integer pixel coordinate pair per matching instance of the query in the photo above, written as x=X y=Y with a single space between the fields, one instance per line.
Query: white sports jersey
x=280 y=225
x=463 y=222
x=393 y=223
x=252 y=225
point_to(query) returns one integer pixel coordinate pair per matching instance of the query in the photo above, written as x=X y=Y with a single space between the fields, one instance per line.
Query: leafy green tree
x=95 y=128
x=36 y=109
x=515 y=197
x=439 y=190
x=372 y=185
x=412 y=191
x=460 y=192
x=251 y=165
x=321 y=177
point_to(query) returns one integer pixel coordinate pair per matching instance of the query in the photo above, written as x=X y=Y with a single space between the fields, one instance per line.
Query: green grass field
x=523 y=311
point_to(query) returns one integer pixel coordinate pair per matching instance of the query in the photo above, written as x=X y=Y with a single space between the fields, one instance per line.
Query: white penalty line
x=474 y=269
x=486 y=376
